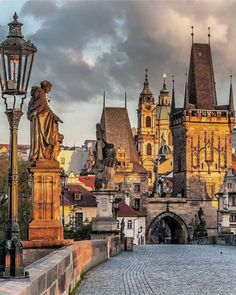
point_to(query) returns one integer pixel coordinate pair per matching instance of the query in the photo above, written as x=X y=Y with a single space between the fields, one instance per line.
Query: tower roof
x=146 y=93
x=173 y=96
x=201 y=82
x=115 y=123
x=231 y=97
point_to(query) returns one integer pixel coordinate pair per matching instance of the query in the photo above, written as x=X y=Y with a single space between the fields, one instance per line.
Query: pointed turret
x=186 y=97
x=164 y=97
x=146 y=93
x=173 y=96
x=231 y=97
x=125 y=100
x=104 y=99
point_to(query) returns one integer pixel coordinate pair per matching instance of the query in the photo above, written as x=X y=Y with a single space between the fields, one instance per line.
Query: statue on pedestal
x=105 y=161
x=200 y=230
x=225 y=199
x=44 y=131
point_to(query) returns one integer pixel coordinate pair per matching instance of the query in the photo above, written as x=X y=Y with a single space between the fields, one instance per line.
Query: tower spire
x=164 y=81
x=231 y=97
x=192 y=34
x=186 y=97
x=125 y=100
x=146 y=76
x=209 y=35
x=104 y=99
x=173 y=95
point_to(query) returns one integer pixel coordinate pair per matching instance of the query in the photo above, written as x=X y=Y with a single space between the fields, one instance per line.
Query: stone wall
x=58 y=272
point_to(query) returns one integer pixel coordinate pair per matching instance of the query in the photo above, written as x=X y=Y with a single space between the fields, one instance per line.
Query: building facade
x=202 y=150
x=154 y=137
x=130 y=175
x=227 y=201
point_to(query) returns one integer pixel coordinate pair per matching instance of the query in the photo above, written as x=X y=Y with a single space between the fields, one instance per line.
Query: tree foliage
x=78 y=231
x=25 y=199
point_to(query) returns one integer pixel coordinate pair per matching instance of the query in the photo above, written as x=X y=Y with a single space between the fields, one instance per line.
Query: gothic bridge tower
x=202 y=131
x=202 y=150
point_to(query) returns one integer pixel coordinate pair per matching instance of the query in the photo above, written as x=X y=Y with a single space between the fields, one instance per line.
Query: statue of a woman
x=44 y=132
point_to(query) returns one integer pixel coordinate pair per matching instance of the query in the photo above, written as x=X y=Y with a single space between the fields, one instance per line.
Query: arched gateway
x=168 y=228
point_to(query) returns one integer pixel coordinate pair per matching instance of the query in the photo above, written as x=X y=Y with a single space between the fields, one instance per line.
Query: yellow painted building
x=154 y=137
x=79 y=202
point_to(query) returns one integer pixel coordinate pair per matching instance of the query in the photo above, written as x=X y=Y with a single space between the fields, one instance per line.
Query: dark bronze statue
x=45 y=138
x=105 y=161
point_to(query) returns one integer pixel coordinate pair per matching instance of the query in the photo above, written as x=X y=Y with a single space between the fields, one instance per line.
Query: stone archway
x=168 y=228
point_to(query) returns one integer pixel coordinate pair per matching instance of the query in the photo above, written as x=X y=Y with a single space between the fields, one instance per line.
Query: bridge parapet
x=58 y=272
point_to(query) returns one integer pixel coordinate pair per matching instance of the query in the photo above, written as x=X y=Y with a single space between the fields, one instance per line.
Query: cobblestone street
x=165 y=270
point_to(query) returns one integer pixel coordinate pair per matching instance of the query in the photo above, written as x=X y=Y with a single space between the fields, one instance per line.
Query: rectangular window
x=77 y=196
x=137 y=203
x=137 y=188
x=233 y=217
x=233 y=198
x=62 y=161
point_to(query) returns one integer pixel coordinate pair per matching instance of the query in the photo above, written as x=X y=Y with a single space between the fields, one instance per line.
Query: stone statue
x=105 y=160
x=225 y=199
x=44 y=132
x=200 y=230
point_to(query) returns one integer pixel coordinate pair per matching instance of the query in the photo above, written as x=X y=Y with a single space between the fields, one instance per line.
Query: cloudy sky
x=87 y=47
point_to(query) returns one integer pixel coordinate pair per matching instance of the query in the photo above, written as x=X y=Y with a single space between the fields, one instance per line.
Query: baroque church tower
x=147 y=138
x=202 y=131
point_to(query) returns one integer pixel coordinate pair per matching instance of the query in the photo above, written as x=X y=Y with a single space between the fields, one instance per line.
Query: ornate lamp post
x=64 y=180
x=16 y=60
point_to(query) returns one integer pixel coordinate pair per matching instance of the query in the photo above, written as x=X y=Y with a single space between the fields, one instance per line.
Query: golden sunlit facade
x=154 y=137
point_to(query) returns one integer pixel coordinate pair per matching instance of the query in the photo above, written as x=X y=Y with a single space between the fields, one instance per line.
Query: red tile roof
x=87 y=198
x=88 y=180
x=127 y=211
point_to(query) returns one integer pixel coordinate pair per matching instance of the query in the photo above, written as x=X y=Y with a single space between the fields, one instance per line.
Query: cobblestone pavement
x=165 y=270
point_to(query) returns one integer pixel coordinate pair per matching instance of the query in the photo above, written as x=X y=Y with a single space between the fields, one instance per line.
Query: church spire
x=186 y=97
x=104 y=99
x=125 y=100
x=146 y=93
x=164 y=81
x=173 y=95
x=231 y=97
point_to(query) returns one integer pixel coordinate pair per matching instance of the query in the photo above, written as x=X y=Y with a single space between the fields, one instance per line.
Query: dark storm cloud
x=129 y=36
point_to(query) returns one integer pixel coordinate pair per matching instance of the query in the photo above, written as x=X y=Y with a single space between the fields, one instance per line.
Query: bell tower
x=147 y=131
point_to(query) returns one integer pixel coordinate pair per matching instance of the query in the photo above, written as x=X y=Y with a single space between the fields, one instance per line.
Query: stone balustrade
x=59 y=272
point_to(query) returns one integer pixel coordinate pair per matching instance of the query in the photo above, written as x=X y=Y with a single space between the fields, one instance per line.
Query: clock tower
x=147 y=131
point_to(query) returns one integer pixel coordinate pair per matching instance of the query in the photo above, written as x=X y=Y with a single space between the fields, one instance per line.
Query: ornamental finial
x=209 y=35
x=192 y=34
x=15 y=17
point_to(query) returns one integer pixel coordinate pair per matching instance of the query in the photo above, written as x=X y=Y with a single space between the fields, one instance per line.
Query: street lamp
x=64 y=180
x=16 y=60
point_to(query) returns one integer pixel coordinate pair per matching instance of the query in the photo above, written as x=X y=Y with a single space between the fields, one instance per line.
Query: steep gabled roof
x=127 y=211
x=115 y=123
x=201 y=80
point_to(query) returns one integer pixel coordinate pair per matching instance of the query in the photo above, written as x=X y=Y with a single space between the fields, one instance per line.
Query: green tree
x=78 y=231
x=25 y=199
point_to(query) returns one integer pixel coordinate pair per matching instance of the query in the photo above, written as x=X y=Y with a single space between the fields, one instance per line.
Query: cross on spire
x=192 y=34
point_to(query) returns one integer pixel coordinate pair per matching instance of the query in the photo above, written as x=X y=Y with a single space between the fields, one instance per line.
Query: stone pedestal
x=46 y=224
x=225 y=228
x=104 y=224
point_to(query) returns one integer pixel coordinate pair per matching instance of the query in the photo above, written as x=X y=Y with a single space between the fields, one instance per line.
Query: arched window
x=148 y=121
x=149 y=149
x=129 y=224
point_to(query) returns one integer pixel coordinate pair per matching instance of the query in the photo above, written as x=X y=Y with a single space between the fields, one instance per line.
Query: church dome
x=163 y=112
x=165 y=150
